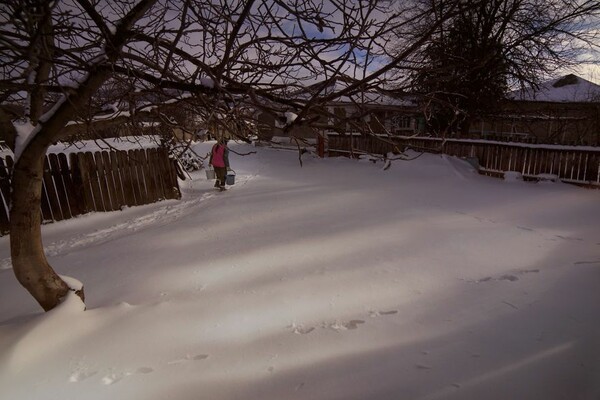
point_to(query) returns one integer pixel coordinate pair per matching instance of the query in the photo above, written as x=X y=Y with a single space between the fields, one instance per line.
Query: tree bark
x=465 y=126
x=27 y=252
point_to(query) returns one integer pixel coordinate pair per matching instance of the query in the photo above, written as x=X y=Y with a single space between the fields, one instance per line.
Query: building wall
x=547 y=122
x=543 y=122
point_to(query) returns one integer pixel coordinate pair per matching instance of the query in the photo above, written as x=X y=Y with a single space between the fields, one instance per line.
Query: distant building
x=372 y=111
x=564 y=110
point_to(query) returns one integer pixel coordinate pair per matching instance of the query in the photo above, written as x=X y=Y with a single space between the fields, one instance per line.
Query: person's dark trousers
x=221 y=173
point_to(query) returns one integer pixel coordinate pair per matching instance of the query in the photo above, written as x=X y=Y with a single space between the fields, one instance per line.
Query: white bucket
x=210 y=174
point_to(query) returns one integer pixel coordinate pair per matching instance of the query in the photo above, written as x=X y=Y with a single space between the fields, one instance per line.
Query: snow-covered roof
x=375 y=97
x=370 y=96
x=569 y=88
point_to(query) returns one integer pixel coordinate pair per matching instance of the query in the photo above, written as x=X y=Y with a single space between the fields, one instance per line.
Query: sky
x=589 y=72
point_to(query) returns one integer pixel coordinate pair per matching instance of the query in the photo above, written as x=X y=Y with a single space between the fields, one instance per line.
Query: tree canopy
x=490 y=46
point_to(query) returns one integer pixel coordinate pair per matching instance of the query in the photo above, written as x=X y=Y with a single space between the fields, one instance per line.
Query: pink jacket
x=219 y=156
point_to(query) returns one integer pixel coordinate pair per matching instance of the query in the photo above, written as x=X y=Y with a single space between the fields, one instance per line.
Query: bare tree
x=62 y=62
x=493 y=45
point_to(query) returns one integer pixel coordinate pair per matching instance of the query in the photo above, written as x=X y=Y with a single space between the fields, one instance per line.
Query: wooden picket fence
x=100 y=181
x=573 y=164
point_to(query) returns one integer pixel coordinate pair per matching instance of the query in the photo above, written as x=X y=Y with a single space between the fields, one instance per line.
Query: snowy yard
x=336 y=280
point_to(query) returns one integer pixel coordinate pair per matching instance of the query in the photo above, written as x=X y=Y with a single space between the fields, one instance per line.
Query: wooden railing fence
x=100 y=181
x=573 y=164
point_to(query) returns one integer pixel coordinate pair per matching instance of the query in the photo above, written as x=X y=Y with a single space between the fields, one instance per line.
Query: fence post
x=321 y=146
x=110 y=181
x=59 y=185
x=126 y=178
x=169 y=177
x=50 y=207
x=117 y=178
x=104 y=196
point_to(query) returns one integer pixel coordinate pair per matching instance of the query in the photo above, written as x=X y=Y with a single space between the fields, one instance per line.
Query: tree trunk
x=27 y=252
x=465 y=127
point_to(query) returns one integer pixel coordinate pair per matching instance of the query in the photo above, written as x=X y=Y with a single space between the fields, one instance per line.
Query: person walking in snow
x=219 y=159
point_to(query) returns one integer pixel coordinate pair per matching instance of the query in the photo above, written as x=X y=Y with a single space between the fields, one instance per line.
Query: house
x=370 y=111
x=564 y=111
x=561 y=111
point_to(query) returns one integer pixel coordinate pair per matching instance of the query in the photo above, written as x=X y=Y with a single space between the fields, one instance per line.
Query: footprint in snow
x=115 y=377
x=528 y=271
x=374 y=314
x=337 y=325
x=569 y=238
x=508 y=277
x=301 y=329
x=81 y=375
x=344 y=326
x=354 y=323
x=524 y=228
x=112 y=378
x=586 y=262
x=187 y=358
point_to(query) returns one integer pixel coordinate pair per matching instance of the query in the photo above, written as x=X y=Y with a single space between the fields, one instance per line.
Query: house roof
x=371 y=96
x=568 y=88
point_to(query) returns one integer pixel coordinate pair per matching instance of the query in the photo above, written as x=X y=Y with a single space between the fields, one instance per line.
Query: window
x=401 y=123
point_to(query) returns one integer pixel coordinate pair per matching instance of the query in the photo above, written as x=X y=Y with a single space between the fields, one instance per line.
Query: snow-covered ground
x=336 y=280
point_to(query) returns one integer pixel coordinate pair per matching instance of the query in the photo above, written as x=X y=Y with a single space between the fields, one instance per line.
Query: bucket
x=230 y=178
x=210 y=174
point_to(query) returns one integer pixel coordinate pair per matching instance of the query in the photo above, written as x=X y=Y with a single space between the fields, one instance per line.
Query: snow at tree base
x=336 y=280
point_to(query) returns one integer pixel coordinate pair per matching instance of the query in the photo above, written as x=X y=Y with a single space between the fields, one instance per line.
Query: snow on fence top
x=573 y=164
x=102 y=181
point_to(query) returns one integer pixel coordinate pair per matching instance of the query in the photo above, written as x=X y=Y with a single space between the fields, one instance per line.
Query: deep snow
x=335 y=280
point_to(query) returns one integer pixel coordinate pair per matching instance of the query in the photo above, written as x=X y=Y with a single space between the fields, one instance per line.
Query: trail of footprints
x=163 y=215
x=81 y=373
x=508 y=277
x=524 y=228
x=336 y=325
x=354 y=324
